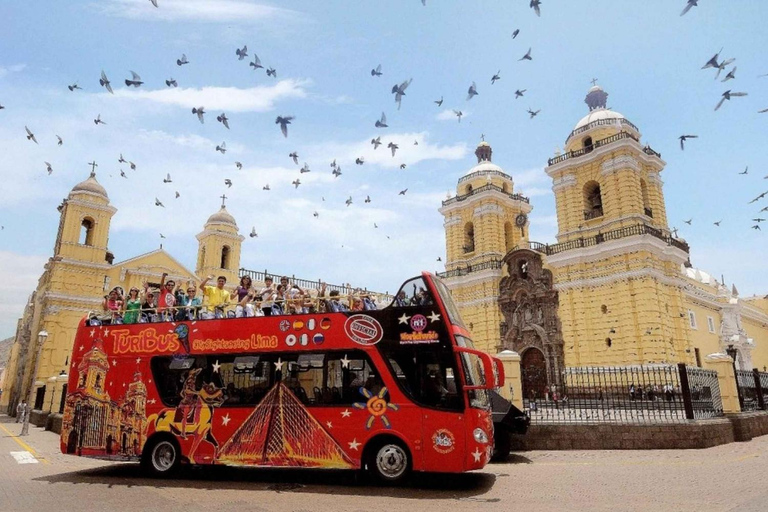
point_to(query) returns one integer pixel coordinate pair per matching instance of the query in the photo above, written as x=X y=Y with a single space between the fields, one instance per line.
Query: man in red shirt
x=166 y=300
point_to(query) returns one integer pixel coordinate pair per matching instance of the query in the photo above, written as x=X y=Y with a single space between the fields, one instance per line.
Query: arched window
x=504 y=188
x=508 y=236
x=86 y=231
x=587 y=144
x=646 y=203
x=469 y=189
x=469 y=237
x=225 y=257
x=593 y=201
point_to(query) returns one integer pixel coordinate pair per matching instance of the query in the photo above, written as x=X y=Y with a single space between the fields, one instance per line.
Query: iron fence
x=752 y=388
x=636 y=394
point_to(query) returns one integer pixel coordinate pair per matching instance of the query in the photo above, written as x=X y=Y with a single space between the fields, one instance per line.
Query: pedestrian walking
x=21 y=410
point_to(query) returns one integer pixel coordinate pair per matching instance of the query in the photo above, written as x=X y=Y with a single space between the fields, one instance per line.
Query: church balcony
x=602 y=142
x=485 y=188
x=593 y=213
x=477 y=174
x=469 y=269
x=601 y=122
x=616 y=234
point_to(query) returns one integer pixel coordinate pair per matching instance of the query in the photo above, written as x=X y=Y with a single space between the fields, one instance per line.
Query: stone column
x=58 y=389
x=50 y=393
x=726 y=379
x=513 y=383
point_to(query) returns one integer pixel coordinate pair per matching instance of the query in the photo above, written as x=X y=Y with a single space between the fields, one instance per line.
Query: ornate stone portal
x=531 y=326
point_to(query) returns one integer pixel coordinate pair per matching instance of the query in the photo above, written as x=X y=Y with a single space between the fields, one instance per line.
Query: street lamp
x=41 y=337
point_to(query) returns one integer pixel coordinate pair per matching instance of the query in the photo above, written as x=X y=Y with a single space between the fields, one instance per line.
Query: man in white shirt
x=267 y=295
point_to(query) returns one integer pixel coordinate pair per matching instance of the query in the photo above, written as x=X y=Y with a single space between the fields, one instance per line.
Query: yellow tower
x=219 y=247
x=616 y=265
x=483 y=222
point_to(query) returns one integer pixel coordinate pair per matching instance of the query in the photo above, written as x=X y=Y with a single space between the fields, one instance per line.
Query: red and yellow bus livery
x=389 y=391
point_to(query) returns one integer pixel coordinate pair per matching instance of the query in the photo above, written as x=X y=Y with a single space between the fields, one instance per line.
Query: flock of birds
x=398 y=91
x=715 y=62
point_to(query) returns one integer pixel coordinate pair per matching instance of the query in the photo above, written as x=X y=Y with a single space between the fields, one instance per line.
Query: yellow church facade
x=626 y=292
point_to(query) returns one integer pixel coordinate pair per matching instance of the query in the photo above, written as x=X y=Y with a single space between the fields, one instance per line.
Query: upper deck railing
x=484 y=188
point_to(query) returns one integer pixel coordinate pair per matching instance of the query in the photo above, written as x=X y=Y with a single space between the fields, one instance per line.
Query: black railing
x=595 y=145
x=648 y=151
x=639 y=229
x=484 y=188
x=753 y=388
x=490 y=264
x=601 y=122
x=483 y=173
x=639 y=394
x=593 y=213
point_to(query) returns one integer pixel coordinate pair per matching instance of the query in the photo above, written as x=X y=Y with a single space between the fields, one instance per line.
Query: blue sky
x=644 y=54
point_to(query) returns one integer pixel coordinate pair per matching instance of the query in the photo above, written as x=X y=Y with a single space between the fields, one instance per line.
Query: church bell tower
x=218 y=252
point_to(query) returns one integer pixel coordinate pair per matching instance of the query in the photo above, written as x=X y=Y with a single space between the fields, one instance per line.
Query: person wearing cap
x=218 y=297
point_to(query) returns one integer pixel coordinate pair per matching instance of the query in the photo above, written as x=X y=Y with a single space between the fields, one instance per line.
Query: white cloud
x=19 y=273
x=6 y=70
x=231 y=99
x=449 y=115
x=220 y=11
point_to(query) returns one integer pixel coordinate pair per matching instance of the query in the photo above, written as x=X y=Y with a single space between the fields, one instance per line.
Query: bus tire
x=161 y=456
x=502 y=445
x=388 y=461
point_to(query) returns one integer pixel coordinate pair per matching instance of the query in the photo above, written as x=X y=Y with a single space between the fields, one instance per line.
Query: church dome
x=222 y=217
x=484 y=167
x=484 y=152
x=598 y=115
x=91 y=186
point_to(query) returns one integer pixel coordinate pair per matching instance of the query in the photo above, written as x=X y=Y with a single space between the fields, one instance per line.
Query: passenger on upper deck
x=218 y=297
x=267 y=295
x=244 y=294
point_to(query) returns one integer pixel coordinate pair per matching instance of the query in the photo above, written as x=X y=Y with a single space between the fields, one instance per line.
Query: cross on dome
x=93 y=165
x=223 y=199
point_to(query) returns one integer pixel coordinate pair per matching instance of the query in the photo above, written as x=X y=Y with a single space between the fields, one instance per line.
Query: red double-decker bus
x=389 y=391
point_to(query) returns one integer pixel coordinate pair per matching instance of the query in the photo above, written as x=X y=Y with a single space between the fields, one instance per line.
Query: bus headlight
x=480 y=436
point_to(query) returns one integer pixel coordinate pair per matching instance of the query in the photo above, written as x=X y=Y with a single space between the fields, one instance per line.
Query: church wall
x=758 y=331
x=477 y=303
x=701 y=337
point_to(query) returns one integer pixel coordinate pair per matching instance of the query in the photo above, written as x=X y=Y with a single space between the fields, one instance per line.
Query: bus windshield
x=450 y=306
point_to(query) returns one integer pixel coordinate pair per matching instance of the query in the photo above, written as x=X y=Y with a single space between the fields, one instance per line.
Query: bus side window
x=245 y=379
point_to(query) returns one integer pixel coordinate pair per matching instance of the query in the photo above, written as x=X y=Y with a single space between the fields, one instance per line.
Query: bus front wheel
x=388 y=462
x=161 y=457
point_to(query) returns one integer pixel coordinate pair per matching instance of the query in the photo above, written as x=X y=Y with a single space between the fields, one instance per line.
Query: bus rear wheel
x=161 y=457
x=389 y=462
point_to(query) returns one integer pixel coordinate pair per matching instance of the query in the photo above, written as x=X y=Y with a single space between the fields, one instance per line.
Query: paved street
x=729 y=477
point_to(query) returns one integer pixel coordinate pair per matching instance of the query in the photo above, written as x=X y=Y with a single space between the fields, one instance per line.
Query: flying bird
x=691 y=3
x=171 y=82
x=394 y=147
x=48 y=168
x=228 y=182
x=730 y=76
x=61 y=142
x=296 y=183
x=472 y=91
x=399 y=91
x=439 y=258
x=104 y=81
x=31 y=136
x=375 y=225
x=759 y=219
x=183 y=60
x=758 y=197
x=745 y=171
x=333 y=164
x=360 y=160
x=718 y=223
x=532 y=113
x=242 y=53
x=756 y=226
x=161 y=235
x=762 y=111
x=200 y=111
x=439 y=102
x=367 y=199
x=727 y=96
x=253 y=233
x=721 y=67
x=133 y=165
x=74 y=86
x=154 y=2
x=519 y=93
x=223 y=119
x=122 y=174
x=265 y=187
x=239 y=165
x=135 y=80
x=688 y=221
x=495 y=77
x=535 y=6
x=98 y=120
x=402 y=166
x=712 y=62
x=256 y=64
x=177 y=194
x=295 y=156
x=458 y=113
x=515 y=33
x=271 y=72
x=336 y=172
x=683 y=138
x=284 y=122
x=376 y=142
x=348 y=201
x=377 y=71
x=305 y=168
x=222 y=148
x=158 y=203
x=316 y=215
x=382 y=123
x=402 y=192
x=167 y=179
x=527 y=56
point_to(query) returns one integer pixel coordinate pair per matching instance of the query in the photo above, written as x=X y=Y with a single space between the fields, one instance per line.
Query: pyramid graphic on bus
x=281 y=432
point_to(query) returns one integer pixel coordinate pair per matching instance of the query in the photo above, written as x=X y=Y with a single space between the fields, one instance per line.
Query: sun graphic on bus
x=376 y=406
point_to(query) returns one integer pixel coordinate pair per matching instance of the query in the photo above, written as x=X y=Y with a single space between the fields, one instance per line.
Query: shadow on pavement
x=513 y=459
x=466 y=486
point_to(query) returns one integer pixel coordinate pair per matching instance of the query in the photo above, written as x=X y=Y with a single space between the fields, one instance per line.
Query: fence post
x=686 y=390
x=758 y=389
